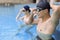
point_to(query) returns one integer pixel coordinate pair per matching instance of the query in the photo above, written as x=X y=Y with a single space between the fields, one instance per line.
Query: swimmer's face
x=42 y=13
x=24 y=10
x=39 y=9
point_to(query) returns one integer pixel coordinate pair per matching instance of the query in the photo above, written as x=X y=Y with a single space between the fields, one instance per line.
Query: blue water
x=9 y=26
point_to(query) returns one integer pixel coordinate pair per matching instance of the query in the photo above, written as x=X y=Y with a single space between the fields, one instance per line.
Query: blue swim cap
x=43 y=5
x=26 y=7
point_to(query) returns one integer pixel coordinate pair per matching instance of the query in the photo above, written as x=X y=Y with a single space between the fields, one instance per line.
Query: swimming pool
x=9 y=26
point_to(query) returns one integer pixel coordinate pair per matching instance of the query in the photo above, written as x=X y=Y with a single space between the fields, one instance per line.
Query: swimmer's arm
x=35 y=21
x=56 y=12
x=54 y=7
x=54 y=20
x=21 y=18
x=55 y=15
x=18 y=15
x=21 y=10
x=52 y=4
x=34 y=12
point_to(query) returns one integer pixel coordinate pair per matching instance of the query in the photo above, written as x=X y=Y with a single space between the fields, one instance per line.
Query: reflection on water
x=9 y=26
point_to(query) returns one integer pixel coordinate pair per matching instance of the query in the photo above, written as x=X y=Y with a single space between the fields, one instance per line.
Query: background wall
x=16 y=1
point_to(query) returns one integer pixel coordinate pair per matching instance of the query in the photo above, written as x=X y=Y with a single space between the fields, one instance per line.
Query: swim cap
x=27 y=8
x=43 y=5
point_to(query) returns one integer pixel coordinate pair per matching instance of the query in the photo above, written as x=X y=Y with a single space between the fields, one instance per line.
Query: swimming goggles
x=39 y=9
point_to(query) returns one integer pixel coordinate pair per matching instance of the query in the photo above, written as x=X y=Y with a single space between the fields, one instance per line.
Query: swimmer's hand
x=34 y=11
x=22 y=10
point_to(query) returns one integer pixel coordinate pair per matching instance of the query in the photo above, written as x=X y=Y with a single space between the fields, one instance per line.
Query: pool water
x=9 y=26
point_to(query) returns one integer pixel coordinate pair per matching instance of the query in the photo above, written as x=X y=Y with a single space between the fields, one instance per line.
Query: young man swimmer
x=47 y=24
x=27 y=19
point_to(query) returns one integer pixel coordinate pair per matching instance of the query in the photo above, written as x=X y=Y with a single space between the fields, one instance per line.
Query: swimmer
x=47 y=24
x=27 y=18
